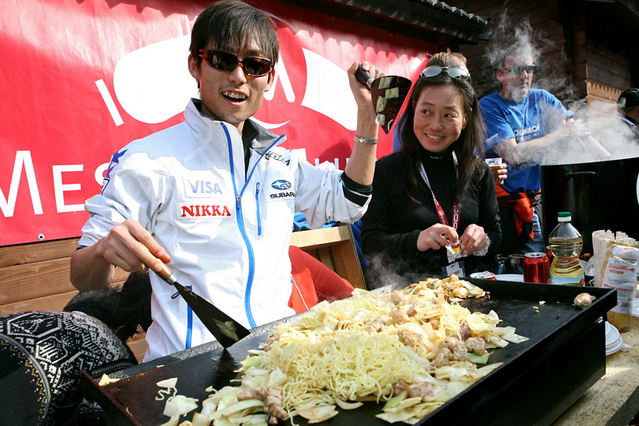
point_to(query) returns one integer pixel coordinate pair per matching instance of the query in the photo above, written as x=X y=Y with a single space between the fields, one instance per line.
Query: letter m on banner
x=23 y=161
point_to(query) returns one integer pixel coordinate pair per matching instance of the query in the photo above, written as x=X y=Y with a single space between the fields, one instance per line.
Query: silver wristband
x=366 y=140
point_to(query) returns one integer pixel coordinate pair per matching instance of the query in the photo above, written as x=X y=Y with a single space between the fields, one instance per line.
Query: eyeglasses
x=518 y=69
x=452 y=72
x=254 y=66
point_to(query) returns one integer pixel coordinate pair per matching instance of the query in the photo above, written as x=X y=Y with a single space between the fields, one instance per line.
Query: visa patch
x=202 y=188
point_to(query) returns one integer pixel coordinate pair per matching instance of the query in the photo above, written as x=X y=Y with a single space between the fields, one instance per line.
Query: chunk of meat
x=464 y=332
x=269 y=341
x=583 y=300
x=408 y=337
x=398 y=316
x=400 y=386
x=420 y=390
x=450 y=349
x=460 y=354
x=434 y=322
x=274 y=408
x=397 y=297
x=253 y=393
x=375 y=326
x=412 y=311
x=476 y=345
x=272 y=402
x=442 y=358
x=450 y=343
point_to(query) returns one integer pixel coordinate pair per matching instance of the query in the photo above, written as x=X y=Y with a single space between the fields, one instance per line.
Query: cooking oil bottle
x=565 y=244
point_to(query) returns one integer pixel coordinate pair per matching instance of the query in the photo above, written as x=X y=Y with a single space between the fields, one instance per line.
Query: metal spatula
x=389 y=93
x=226 y=330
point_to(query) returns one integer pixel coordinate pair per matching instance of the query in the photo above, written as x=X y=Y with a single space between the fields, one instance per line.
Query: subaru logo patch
x=281 y=184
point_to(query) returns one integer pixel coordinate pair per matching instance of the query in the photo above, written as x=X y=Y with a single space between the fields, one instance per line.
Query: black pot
x=599 y=195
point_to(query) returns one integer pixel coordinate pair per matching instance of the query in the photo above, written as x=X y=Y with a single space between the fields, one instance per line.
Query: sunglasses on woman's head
x=452 y=72
x=253 y=66
x=518 y=69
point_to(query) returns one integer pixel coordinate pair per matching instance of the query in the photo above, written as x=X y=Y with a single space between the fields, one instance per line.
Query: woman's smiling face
x=439 y=117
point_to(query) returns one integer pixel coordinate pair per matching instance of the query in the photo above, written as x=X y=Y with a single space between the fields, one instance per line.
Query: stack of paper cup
x=600 y=241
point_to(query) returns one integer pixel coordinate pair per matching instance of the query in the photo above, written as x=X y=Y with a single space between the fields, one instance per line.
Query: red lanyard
x=440 y=211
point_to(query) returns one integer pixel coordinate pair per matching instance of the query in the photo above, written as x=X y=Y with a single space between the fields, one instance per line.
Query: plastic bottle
x=565 y=244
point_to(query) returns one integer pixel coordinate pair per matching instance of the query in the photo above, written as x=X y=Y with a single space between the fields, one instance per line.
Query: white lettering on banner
x=108 y=100
x=8 y=205
x=153 y=83
x=99 y=173
x=59 y=188
x=280 y=73
x=328 y=91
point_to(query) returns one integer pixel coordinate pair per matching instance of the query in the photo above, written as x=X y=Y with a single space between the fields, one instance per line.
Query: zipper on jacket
x=189 y=325
x=240 y=222
x=258 y=207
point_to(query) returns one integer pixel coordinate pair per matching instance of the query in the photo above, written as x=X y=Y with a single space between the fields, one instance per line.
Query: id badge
x=456 y=268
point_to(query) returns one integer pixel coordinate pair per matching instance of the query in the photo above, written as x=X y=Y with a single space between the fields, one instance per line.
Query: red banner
x=81 y=79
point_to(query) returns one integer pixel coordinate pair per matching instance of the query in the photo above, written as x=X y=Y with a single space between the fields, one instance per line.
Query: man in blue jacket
x=524 y=126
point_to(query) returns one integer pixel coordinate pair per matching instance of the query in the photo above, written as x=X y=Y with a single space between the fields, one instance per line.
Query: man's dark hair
x=628 y=100
x=231 y=24
x=517 y=50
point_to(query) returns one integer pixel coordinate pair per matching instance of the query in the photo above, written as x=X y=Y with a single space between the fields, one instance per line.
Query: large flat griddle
x=538 y=380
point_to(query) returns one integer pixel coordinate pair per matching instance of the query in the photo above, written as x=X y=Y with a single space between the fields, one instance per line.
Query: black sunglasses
x=452 y=72
x=518 y=69
x=254 y=66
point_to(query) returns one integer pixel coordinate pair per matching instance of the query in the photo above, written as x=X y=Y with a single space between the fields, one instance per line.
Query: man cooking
x=523 y=125
x=215 y=195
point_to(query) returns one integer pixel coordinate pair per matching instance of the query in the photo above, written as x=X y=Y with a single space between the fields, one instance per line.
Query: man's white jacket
x=226 y=227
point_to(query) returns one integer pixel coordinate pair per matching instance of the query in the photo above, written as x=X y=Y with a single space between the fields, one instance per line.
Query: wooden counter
x=614 y=399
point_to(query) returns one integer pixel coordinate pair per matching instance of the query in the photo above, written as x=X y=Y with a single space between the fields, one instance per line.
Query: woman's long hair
x=469 y=147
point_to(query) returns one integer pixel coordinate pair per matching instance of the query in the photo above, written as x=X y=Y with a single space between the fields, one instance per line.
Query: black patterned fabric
x=42 y=355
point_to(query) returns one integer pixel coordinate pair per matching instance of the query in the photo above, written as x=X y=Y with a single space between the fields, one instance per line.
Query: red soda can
x=486 y=275
x=536 y=268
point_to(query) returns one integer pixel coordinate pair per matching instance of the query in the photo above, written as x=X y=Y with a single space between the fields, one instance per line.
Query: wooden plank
x=36 y=252
x=23 y=282
x=321 y=236
x=30 y=281
x=138 y=346
x=347 y=263
x=324 y=256
x=54 y=302
x=335 y=248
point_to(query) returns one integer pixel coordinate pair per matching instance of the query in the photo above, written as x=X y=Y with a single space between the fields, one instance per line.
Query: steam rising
x=599 y=118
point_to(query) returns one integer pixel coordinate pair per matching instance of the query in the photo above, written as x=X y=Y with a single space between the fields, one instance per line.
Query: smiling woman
x=439 y=117
x=434 y=208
